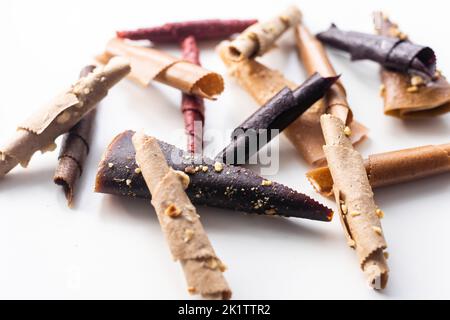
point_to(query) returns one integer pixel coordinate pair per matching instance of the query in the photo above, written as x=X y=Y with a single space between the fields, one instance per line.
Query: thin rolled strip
x=355 y=202
x=391 y=52
x=193 y=107
x=393 y=167
x=211 y=184
x=272 y=118
x=263 y=83
x=59 y=116
x=260 y=37
x=410 y=96
x=73 y=153
x=74 y=150
x=180 y=222
x=202 y=30
x=315 y=59
x=148 y=64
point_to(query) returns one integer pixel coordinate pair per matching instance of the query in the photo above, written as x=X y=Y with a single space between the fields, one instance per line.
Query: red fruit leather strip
x=213 y=29
x=193 y=107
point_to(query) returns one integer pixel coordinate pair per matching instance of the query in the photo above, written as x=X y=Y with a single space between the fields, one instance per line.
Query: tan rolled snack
x=393 y=167
x=263 y=83
x=410 y=96
x=148 y=64
x=315 y=59
x=356 y=206
x=180 y=222
x=59 y=116
x=353 y=193
x=260 y=37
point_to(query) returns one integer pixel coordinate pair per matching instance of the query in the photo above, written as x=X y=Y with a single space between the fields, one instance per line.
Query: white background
x=108 y=247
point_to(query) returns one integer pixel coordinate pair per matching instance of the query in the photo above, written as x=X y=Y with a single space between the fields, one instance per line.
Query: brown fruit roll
x=193 y=107
x=211 y=184
x=66 y=110
x=315 y=59
x=74 y=150
x=409 y=96
x=148 y=64
x=392 y=168
x=180 y=222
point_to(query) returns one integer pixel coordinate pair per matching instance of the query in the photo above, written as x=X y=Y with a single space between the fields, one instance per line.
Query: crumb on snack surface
x=188 y=235
x=382 y=90
x=192 y=290
x=348 y=131
x=172 y=211
x=417 y=81
x=218 y=167
x=412 y=89
x=189 y=169
x=380 y=213
x=377 y=230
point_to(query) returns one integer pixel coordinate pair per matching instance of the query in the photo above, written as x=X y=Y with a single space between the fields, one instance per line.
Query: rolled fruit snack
x=263 y=84
x=212 y=184
x=406 y=95
x=393 y=167
x=359 y=215
x=391 y=52
x=193 y=107
x=201 y=30
x=352 y=191
x=315 y=59
x=74 y=150
x=272 y=118
x=260 y=37
x=148 y=64
x=180 y=222
x=39 y=132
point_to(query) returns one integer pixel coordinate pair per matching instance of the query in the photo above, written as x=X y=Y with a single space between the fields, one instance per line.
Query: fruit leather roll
x=393 y=167
x=313 y=56
x=148 y=64
x=201 y=30
x=212 y=184
x=74 y=150
x=39 y=132
x=193 y=107
x=391 y=52
x=263 y=83
x=260 y=37
x=272 y=118
x=359 y=215
x=180 y=222
x=406 y=95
